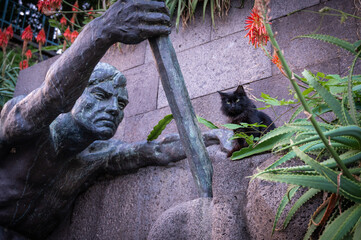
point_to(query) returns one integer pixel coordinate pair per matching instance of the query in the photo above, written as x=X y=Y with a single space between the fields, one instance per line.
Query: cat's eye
x=237 y=100
x=228 y=102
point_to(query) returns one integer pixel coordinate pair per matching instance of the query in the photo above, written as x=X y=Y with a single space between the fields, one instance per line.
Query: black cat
x=240 y=109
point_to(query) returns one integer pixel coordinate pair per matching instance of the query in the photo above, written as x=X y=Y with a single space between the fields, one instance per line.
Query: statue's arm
x=127 y=21
x=120 y=157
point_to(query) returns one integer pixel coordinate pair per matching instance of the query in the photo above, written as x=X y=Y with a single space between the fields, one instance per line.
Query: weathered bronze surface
x=54 y=142
x=180 y=104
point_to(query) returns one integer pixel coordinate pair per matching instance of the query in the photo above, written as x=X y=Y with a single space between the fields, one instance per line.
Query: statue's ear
x=240 y=90
x=223 y=95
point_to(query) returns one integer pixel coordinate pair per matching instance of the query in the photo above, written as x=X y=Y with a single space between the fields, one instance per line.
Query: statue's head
x=100 y=108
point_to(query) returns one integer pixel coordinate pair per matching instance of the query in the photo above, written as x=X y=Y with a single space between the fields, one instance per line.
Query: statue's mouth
x=106 y=122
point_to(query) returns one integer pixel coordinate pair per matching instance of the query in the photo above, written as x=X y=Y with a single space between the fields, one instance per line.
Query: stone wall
x=212 y=59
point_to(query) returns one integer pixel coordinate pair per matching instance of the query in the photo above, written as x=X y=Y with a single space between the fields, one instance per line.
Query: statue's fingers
x=155 y=18
x=152 y=6
x=147 y=31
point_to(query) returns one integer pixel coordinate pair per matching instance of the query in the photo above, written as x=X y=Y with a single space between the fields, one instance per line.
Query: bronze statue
x=55 y=142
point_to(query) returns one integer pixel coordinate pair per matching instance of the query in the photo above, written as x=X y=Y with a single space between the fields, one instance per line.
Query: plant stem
x=291 y=77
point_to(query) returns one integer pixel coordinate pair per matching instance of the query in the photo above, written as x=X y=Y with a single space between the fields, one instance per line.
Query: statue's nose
x=113 y=107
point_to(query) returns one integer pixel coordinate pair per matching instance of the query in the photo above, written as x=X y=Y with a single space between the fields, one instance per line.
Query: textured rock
x=217 y=66
x=189 y=220
x=263 y=200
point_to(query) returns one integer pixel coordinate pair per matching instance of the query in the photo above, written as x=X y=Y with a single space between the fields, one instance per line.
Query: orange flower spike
x=277 y=62
x=67 y=34
x=75 y=7
x=27 y=34
x=63 y=21
x=40 y=38
x=24 y=64
x=74 y=35
x=28 y=54
x=3 y=40
x=256 y=30
x=9 y=32
x=91 y=13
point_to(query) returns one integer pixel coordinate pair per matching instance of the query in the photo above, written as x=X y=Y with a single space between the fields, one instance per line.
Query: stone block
x=127 y=207
x=236 y=18
x=142 y=85
x=138 y=127
x=195 y=33
x=263 y=200
x=129 y=56
x=32 y=77
x=281 y=8
x=216 y=66
x=300 y=53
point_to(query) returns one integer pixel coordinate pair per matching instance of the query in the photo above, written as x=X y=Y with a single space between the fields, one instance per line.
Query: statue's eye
x=121 y=105
x=99 y=95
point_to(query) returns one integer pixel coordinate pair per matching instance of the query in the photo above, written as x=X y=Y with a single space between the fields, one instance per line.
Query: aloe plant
x=330 y=151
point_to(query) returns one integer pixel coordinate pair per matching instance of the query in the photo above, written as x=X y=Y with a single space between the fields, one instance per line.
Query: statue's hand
x=221 y=137
x=132 y=21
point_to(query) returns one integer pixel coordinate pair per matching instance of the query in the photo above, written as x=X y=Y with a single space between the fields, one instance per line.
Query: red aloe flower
x=75 y=7
x=40 y=38
x=67 y=34
x=3 y=40
x=48 y=7
x=63 y=21
x=74 y=35
x=91 y=13
x=72 y=20
x=256 y=30
x=28 y=54
x=9 y=32
x=27 y=36
x=23 y=64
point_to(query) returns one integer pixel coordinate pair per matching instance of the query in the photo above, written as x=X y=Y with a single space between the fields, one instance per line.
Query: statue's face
x=100 y=108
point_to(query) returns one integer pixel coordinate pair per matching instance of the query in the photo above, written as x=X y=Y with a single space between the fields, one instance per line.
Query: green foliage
x=270 y=101
x=185 y=9
x=330 y=151
x=8 y=78
x=158 y=129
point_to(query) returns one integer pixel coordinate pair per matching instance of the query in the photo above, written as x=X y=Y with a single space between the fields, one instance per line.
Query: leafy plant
x=8 y=78
x=330 y=150
x=185 y=9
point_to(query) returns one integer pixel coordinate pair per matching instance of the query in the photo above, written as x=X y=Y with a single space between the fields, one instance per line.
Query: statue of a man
x=55 y=141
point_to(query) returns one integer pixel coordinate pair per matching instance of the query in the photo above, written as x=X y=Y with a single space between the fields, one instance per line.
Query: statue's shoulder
x=10 y=105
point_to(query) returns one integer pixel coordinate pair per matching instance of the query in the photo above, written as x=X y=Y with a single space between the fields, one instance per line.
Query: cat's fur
x=239 y=108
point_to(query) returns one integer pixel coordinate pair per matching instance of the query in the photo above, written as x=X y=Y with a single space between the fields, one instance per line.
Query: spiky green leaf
x=158 y=129
x=342 y=224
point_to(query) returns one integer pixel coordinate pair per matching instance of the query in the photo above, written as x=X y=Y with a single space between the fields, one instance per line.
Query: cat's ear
x=223 y=95
x=240 y=90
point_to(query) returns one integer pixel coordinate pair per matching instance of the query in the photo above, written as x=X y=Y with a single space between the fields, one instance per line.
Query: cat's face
x=234 y=103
